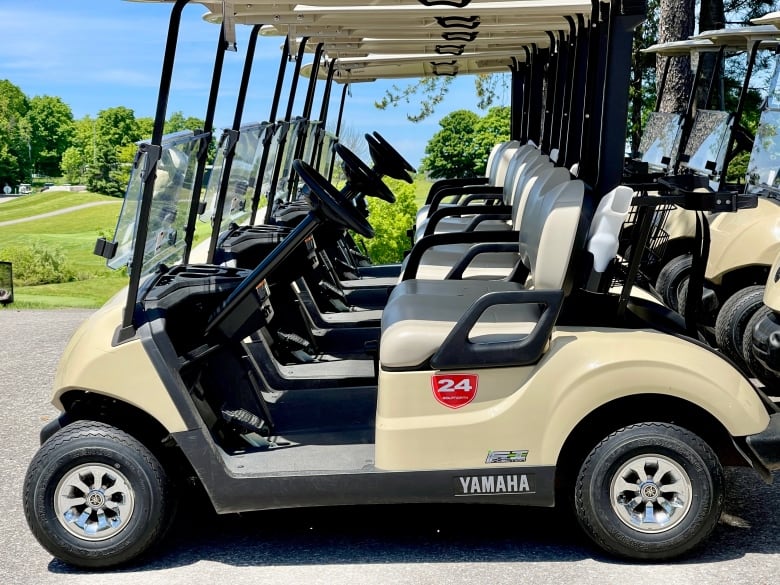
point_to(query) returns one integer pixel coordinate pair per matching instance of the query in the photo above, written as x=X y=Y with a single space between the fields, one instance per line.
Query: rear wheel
x=670 y=277
x=732 y=321
x=649 y=491
x=96 y=497
x=770 y=379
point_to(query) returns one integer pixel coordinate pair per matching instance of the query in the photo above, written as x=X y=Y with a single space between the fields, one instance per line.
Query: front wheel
x=96 y=497
x=649 y=491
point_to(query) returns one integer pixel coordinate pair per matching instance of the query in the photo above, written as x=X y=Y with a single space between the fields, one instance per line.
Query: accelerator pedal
x=245 y=420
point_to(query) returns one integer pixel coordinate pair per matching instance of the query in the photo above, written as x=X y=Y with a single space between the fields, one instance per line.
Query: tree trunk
x=676 y=23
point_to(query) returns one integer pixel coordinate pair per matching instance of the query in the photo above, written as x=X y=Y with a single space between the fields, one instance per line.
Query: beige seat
x=531 y=188
x=519 y=160
x=497 y=165
x=421 y=314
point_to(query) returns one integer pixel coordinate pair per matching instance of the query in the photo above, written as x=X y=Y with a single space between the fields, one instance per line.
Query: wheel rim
x=651 y=493
x=94 y=502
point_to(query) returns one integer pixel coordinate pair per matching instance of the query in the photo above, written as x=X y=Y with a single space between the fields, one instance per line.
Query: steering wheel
x=333 y=204
x=391 y=158
x=384 y=163
x=362 y=177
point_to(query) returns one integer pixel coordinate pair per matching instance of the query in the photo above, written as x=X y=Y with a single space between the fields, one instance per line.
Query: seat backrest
x=559 y=216
x=517 y=164
x=501 y=162
x=526 y=175
x=529 y=222
x=493 y=157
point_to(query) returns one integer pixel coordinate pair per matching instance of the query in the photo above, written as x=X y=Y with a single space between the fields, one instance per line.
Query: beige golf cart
x=540 y=389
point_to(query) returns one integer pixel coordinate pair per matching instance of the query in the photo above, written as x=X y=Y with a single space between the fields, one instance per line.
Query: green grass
x=90 y=293
x=72 y=233
x=421 y=187
x=38 y=203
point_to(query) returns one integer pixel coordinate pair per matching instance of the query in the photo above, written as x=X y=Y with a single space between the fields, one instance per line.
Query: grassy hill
x=71 y=238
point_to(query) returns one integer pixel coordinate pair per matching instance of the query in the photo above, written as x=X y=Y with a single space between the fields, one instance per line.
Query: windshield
x=764 y=165
x=326 y=154
x=706 y=148
x=660 y=139
x=294 y=133
x=171 y=202
x=242 y=181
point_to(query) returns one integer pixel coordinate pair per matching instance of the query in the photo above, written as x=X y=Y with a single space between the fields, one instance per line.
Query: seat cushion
x=421 y=313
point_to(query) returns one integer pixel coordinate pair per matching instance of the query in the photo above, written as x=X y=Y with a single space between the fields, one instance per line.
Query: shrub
x=38 y=264
x=390 y=222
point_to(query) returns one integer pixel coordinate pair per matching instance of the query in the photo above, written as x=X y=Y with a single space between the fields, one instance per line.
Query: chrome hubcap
x=651 y=493
x=94 y=501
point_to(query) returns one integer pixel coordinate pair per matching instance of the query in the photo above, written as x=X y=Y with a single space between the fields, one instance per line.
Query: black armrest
x=445 y=183
x=472 y=226
x=460 y=191
x=458 y=351
x=493 y=197
x=428 y=242
x=460 y=210
x=485 y=248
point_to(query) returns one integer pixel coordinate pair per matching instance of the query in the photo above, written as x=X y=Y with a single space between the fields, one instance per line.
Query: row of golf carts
x=519 y=355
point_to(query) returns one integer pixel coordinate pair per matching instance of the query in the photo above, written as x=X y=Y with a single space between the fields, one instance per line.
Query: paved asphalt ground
x=376 y=545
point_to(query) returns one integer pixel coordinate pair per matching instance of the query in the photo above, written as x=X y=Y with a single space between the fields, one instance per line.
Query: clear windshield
x=660 y=140
x=764 y=166
x=171 y=201
x=242 y=181
x=326 y=153
x=706 y=148
x=311 y=141
x=297 y=127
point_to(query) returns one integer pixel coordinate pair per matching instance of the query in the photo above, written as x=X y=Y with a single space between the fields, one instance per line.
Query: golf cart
x=542 y=389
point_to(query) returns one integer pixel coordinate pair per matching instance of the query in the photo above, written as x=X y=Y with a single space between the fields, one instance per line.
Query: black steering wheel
x=390 y=158
x=384 y=163
x=361 y=177
x=333 y=204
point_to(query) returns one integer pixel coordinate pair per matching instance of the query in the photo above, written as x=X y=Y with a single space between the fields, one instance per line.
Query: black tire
x=770 y=379
x=132 y=481
x=670 y=277
x=732 y=320
x=625 y=475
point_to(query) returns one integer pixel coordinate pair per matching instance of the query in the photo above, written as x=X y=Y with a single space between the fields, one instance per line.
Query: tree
x=390 y=222
x=452 y=151
x=72 y=164
x=51 y=132
x=676 y=22
x=14 y=134
x=489 y=130
x=462 y=146
x=176 y=122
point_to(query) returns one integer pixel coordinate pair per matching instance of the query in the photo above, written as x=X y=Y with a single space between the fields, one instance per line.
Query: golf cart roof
x=386 y=34
x=772 y=18
x=740 y=38
x=684 y=47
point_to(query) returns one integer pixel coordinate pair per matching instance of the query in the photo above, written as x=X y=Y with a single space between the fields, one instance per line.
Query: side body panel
x=534 y=409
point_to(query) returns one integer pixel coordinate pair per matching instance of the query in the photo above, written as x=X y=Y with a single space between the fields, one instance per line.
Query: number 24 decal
x=454 y=390
x=450 y=385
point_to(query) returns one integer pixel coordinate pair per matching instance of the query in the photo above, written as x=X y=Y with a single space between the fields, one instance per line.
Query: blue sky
x=97 y=54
